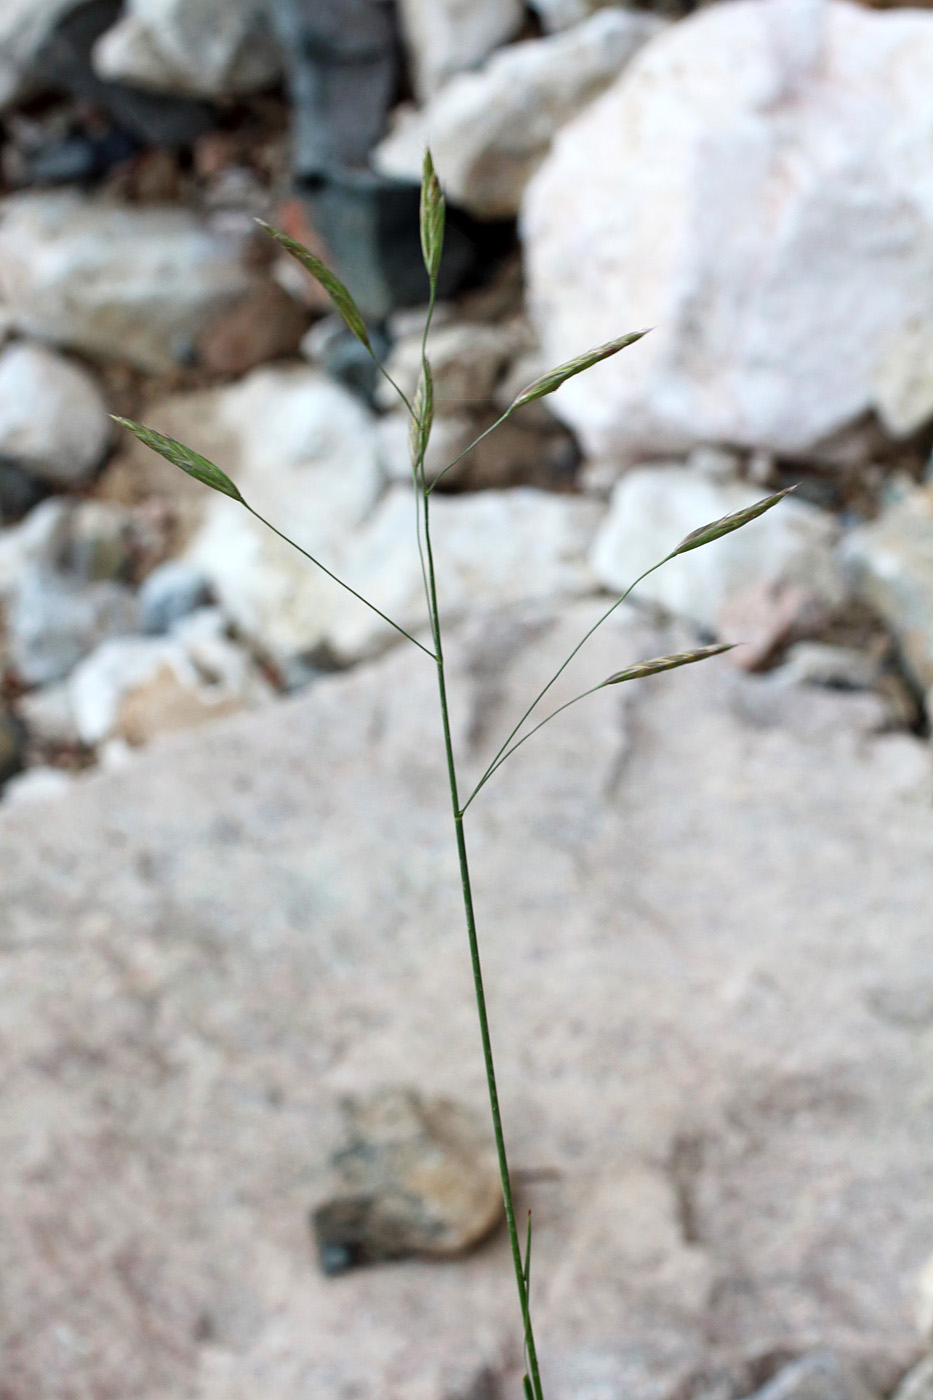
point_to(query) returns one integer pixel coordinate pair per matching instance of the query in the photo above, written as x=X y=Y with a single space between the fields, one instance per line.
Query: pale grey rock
x=48 y=714
x=208 y=48
x=818 y=1377
x=923 y=1301
x=450 y=435
x=685 y=904
x=467 y=360
x=490 y=130
x=136 y=283
x=304 y=453
x=556 y=15
x=818 y=663
x=417 y=1176
x=24 y=27
x=890 y=561
x=444 y=37
x=172 y=591
x=55 y=619
x=653 y=508
x=100 y=540
x=36 y=542
x=493 y=547
x=53 y=417
x=785 y=306
x=918 y=1383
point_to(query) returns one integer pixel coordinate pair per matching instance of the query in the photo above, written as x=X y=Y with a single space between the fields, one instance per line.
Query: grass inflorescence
x=421 y=412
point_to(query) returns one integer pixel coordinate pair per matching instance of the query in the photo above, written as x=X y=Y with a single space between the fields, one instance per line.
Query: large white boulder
x=758 y=188
x=444 y=37
x=141 y=284
x=490 y=130
x=704 y=905
x=209 y=48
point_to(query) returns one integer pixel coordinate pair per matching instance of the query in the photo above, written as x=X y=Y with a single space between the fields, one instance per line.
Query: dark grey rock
x=64 y=61
x=12 y=746
x=171 y=592
x=342 y=65
x=19 y=491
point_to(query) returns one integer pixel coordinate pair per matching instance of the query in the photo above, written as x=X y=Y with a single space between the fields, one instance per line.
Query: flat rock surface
x=704 y=901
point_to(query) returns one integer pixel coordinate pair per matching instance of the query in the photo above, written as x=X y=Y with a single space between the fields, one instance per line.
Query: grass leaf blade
x=180 y=456
x=724 y=526
x=554 y=378
x=666 y=663
x=331 y=283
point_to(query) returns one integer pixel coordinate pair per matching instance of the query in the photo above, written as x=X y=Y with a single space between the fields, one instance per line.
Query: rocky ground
x=704 y=901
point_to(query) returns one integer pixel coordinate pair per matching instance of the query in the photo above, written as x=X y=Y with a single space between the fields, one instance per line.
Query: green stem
x=323 y=567
x=478 y=987
x=556 y=676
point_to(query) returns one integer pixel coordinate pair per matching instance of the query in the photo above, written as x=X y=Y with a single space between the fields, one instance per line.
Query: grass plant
x=421 y=412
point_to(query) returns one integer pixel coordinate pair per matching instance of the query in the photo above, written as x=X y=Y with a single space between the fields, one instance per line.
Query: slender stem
x=417 y=466
x=387 y=376
x=557 y=674
x=323 y=567
x=509 y=751
x=469 y=911
x=473 y=444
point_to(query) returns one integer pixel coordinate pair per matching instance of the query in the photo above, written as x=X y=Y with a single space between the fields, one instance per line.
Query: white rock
x=561 y=14
x=135 y=283
x=304 y=452
x=446 y=36
x=53 y=418
x=490 y=130
x=653 y=508
x=757 y=187
x=923 y=1303
x=209 y=48
x=24 y=27
x=40 y=784
x=890 y=562
x=493 y=548
x=35 y=542
x=132 y=688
